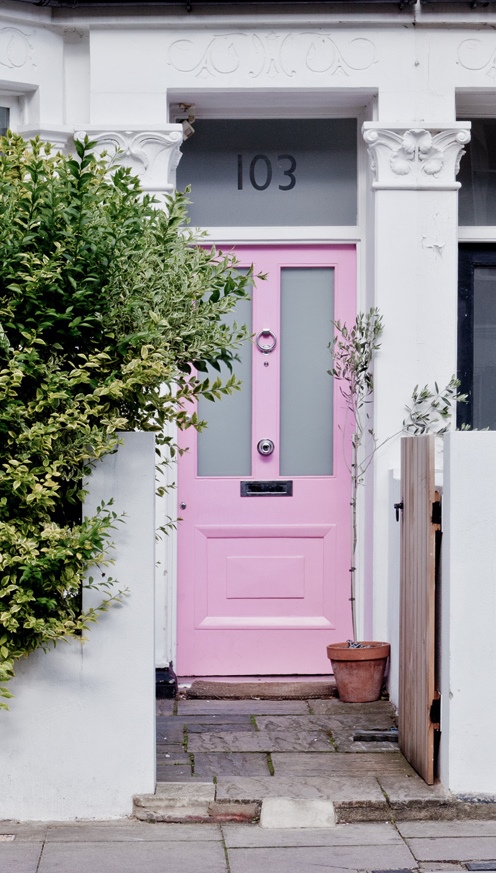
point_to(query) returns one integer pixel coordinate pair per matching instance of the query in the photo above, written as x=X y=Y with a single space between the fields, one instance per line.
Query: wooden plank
x=417 y=604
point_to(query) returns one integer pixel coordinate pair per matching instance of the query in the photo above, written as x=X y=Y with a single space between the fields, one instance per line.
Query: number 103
x=260 y=172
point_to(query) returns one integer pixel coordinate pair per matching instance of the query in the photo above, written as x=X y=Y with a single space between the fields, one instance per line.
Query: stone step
x=184 y=802
x=270 y=688
x=199 y=802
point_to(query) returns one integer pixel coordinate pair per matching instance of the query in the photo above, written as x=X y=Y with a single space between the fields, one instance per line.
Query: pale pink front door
x=263 y=566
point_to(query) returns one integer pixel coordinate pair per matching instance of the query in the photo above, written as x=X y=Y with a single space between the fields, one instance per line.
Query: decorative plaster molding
x=478 y=55
x=416 y=157
x=271 y=55
x=59 y=137
x=15 y=48
x=153 y=155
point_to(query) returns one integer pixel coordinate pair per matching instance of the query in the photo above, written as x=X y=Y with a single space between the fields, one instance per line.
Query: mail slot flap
x=267 y=489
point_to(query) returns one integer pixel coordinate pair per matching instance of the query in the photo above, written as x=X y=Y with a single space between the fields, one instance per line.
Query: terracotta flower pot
x=359 y=673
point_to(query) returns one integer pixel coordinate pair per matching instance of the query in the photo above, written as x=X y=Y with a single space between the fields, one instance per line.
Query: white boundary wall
x=468 y=644
x=79 y=740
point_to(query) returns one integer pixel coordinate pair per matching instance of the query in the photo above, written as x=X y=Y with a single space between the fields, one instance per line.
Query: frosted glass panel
x=271 y=172
x=224 y=447
x=484 y=392
x=307 y=310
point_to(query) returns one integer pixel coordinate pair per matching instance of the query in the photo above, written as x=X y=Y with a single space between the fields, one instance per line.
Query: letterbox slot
x=266 y=489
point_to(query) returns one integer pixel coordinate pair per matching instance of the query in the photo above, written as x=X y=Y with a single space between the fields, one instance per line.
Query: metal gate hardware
x=436 y=517
x=435 y=712
x=397 y=508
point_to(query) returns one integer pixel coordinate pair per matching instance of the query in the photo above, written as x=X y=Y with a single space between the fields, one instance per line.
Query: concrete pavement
x=140 y=847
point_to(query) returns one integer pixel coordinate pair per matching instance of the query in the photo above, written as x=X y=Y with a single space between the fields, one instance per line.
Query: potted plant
x=358 y=666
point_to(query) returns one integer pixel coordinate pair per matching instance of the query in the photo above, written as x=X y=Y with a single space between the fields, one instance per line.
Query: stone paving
x=136 y=847
x=245 y=751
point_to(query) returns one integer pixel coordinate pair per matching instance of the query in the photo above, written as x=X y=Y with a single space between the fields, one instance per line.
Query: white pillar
x=415 y=288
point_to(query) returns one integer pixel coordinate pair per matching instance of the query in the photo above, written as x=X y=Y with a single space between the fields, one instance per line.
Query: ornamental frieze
x=271 y=55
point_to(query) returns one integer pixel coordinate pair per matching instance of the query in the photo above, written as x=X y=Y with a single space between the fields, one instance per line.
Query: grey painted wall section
x=79 y=740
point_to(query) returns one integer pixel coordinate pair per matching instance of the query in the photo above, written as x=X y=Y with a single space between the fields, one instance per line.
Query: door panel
x=264 y=553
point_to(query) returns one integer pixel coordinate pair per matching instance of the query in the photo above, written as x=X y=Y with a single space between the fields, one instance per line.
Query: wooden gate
x=420 y=539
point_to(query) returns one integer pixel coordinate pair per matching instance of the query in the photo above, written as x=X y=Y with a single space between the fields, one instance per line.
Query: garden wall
x=79 y=740
x=468 y=614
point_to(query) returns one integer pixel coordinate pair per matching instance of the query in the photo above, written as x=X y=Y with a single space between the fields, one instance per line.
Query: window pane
x=477 y=196
x=307 y=310
x=224 y=447
x=4 y=120
x=484 y=391
x=271 y=172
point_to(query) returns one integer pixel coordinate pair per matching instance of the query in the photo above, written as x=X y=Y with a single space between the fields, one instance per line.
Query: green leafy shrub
x=110 y=312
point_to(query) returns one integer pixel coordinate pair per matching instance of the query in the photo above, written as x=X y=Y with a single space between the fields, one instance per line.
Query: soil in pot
x=359 y=672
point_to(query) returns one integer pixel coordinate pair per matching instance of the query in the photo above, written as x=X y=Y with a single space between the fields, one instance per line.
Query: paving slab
x=404 y=788
x=374 y=834
x=364 y=790
x=293 y=722
x=166 y=706
x=19 y=857
x=201 y=791
x=172 y=753
x=260 y=741
x=32 y=832
x=297 y=859
x=131 y=831
x=318 y=763
x=210 y=764
x=294 y=814
x=334 y=706
x=461 y=828
x=180 y=774
x=347 y=744
x=453 y=848
x=169 y=730
x=152 y=857
x=239 y=707
x=222 y=722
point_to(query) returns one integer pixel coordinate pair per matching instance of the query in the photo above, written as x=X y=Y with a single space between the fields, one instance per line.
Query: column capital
x=416 y=157
x=151 y=154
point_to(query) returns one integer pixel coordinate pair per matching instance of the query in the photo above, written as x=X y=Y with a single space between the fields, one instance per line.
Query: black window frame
x=470 y=256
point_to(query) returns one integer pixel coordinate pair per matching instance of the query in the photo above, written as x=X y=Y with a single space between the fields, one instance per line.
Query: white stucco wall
x=79 y=740
x=468 y=645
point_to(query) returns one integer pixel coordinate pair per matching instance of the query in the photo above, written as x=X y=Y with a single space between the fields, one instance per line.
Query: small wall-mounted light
x=184 y=113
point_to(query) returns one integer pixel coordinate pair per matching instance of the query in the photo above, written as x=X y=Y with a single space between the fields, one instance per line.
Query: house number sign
x=277 y=172
x=260 y=172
